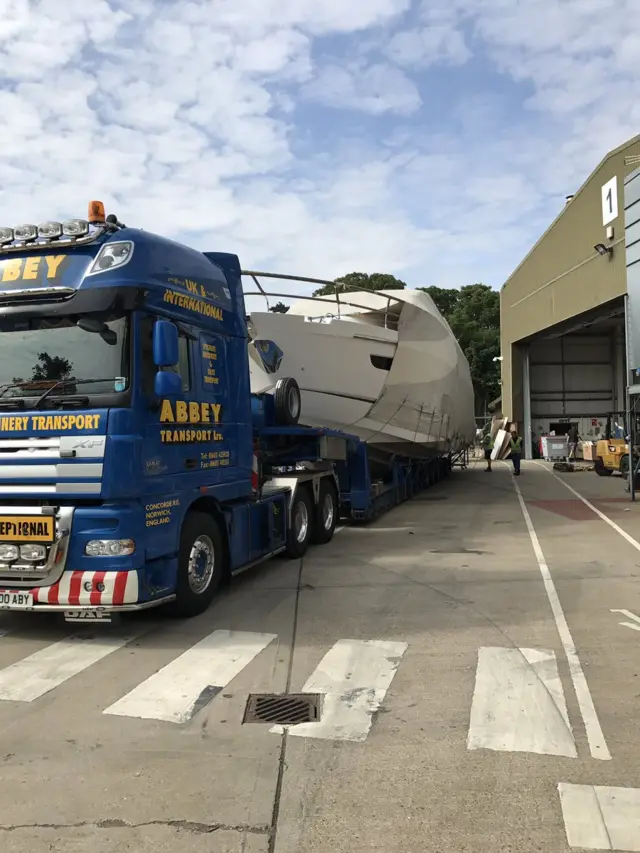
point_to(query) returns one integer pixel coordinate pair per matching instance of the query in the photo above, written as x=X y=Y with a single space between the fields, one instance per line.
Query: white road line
x=600 y=818
x=629 y=615
x=600 y=514
x=354 y=677
x=177 y=691
x=635 y=625
x=37 y=674
x=518 y=704
x=595 y=736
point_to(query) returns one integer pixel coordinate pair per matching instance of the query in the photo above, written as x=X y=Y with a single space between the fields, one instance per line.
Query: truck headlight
x=9 y=553
x=111 y=256
x=33 y=553
x=109 y=548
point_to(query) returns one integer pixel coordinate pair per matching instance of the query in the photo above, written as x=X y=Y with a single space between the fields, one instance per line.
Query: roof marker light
x=50 y=230
x=26 y=233
x=6 y=235
x=75 y=228
x=96 y=213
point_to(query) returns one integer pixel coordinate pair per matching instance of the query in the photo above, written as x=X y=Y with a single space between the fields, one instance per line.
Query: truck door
x=194 y=441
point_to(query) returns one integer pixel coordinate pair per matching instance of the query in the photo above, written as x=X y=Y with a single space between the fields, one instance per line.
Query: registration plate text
x=13 y=598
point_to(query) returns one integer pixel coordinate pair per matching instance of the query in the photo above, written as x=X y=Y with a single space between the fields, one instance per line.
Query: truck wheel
x=200 y=564
x=287 y=402
x=299 y=535
x=326 y=514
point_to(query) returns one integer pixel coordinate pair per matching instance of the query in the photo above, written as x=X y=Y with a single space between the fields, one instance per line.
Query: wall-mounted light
x=497 y=358
x=601 y=249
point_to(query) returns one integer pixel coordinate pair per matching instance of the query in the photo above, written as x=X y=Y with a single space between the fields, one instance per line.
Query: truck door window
x=183 y=368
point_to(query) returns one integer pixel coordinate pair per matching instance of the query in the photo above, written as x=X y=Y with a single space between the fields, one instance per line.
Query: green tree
x=48 y=369
x=51 y=367
x=446 y=299
x=361 y=281
x=473 y=312
x=279 y=308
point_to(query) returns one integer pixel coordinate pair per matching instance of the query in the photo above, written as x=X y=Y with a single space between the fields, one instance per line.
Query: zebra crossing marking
x=518 y=704
x=181 y=688
x=42 y=671
x=354 y=677
x=601 y=818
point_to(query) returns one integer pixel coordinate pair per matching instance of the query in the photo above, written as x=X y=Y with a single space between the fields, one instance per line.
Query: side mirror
x=167 y=384
x=165 y=344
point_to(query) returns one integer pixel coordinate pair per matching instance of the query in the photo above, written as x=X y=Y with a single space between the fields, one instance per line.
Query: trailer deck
x=475 y=657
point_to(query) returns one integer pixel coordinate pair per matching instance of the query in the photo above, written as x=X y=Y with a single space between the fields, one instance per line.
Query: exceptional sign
x=26 y=528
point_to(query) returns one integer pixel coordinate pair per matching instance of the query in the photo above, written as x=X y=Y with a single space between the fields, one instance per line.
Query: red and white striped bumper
x=89 y=589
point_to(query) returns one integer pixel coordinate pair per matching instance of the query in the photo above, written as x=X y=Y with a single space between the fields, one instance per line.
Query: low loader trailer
x=137 y=470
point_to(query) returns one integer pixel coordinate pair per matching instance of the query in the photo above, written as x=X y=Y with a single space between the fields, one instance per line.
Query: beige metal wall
x=563 y=275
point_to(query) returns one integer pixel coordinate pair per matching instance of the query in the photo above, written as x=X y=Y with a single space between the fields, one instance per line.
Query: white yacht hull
x=404 y=389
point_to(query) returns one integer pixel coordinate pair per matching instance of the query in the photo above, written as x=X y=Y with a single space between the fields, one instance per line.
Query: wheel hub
x=327 y=512
x=201 y=564
x=301 y=522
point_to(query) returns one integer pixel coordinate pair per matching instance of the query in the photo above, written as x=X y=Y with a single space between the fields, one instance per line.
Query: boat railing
x=339 y=299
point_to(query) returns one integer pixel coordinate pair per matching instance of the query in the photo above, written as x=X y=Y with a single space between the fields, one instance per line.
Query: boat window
x=382 y=362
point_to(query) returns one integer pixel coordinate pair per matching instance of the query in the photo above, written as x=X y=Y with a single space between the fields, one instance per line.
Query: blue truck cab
x=136 y=468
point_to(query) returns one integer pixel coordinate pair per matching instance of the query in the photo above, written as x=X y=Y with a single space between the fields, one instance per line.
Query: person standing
x=516 y=450
x=488 y=443
x=574 y=437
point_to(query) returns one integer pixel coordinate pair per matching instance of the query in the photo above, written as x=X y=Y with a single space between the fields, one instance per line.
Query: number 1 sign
x=610 y=201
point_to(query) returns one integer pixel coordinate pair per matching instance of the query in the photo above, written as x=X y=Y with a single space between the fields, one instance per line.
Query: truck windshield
x=37 y=353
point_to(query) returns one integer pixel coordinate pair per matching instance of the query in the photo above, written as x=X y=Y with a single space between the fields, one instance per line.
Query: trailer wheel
x=326 y=514
x=287 y=401
x=200 y=564
x=299 y=536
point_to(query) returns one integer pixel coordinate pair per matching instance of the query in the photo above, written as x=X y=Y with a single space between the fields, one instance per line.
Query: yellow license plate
x=27 y=528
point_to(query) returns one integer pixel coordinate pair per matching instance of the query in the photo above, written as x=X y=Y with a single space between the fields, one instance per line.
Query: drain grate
x=285 y=709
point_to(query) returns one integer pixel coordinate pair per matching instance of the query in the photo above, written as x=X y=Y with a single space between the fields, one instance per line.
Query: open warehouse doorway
x=574 y=375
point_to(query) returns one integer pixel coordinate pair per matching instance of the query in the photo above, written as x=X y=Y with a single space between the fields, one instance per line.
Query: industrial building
x=563 y=333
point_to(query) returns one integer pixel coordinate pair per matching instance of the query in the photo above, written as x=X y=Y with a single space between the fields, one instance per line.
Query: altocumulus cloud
x=434 y=140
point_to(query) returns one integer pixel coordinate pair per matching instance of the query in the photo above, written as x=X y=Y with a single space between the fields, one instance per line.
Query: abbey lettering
x=31 y=268
x=181 y=412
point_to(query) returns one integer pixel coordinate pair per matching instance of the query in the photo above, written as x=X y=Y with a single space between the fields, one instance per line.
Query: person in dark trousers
x=574 y=437
x=488 y=444
x=516 y=450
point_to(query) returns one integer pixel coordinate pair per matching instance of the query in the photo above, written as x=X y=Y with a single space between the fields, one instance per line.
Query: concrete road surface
x=476 y=654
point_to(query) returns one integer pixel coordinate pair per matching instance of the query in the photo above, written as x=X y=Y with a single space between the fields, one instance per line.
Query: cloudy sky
x=432 y=139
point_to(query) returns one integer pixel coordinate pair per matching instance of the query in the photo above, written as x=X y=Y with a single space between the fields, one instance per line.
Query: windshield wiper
x=61 y=383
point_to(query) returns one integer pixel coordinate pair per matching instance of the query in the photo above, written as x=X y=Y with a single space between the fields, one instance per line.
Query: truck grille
x=45 y=467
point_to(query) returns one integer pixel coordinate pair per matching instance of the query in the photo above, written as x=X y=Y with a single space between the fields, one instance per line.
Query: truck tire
x=299 y=536
x=200 y=564
x=287 y=402
x=326 y=513
x=601 y=471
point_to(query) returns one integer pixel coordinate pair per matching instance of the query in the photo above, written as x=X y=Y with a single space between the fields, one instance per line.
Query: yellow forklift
x=612 y=451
